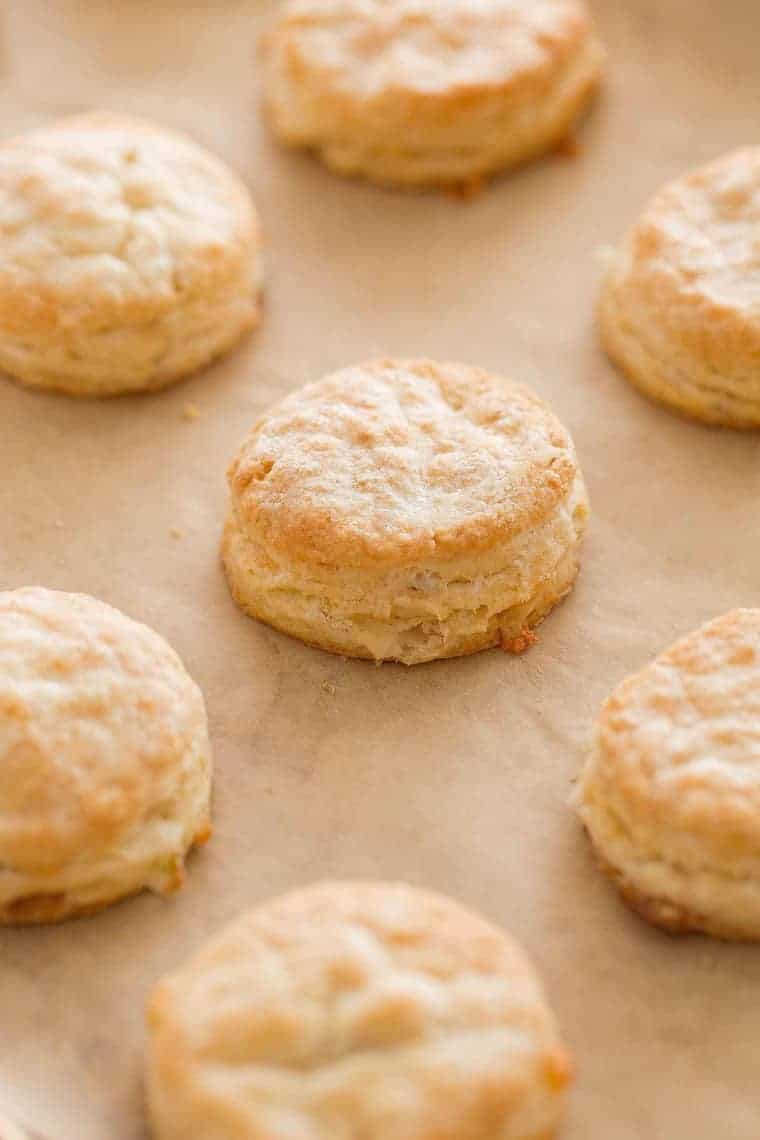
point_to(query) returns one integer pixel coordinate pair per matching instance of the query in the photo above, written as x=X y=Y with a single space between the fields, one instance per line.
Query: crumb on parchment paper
x=468 y=189
x=175 y=532
x=520 y=643
x=568 y=147
x=191 y=412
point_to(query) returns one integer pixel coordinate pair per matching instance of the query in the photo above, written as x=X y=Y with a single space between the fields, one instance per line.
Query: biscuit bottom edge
x=51 y=905
x=664 y=911
x=669 y=916
x=115 y=362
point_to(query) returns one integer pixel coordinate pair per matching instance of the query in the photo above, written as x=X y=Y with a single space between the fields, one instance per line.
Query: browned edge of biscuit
x=664 y=914
x=558 y=142
x=55 y=906
x=152 y=386
x=36 y=910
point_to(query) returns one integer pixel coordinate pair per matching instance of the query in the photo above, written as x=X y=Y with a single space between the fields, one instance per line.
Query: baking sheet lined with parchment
x=456 y=775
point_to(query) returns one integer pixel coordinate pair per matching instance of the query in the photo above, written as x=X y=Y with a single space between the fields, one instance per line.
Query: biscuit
x=428 y=92
x=105 y=762
x=680 y=305
x=356 y=1011
x=670 y=794
x=405 y=510
x=130 y=257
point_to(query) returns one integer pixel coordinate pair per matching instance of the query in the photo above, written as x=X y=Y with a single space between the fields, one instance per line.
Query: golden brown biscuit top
x=398 y=461
x=104 y=217
x=697 y=247
x=304 y=1006
x=96 y=716
x=366 y=47
x=679 y=746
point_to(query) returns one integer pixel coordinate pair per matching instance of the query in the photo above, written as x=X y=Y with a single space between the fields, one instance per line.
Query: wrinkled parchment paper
x=455 y=775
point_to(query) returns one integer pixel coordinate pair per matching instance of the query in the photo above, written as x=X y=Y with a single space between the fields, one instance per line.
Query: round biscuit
x=405 y=510
x=130 y=256
x=105 y=761
x=355 y=1011
x=428 y=92
x=670 y=794
x=680 y=305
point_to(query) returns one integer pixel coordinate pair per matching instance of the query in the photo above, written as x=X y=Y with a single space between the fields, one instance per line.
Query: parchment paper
x=455 y=775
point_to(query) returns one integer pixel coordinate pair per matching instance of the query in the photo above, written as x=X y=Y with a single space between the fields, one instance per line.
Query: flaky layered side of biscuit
x=459 y=143
x=433 y=609
x=668 y=366
x=134 y=355
x=678 y=895
x=150 y=855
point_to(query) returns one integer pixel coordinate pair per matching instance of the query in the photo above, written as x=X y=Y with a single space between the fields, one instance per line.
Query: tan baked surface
x=395 y=460
x=671 y=791
x=680 y=310
x=405 y=510
x=355 y=1010
x=129 y=256
x=421 y=92
x=105 y=761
